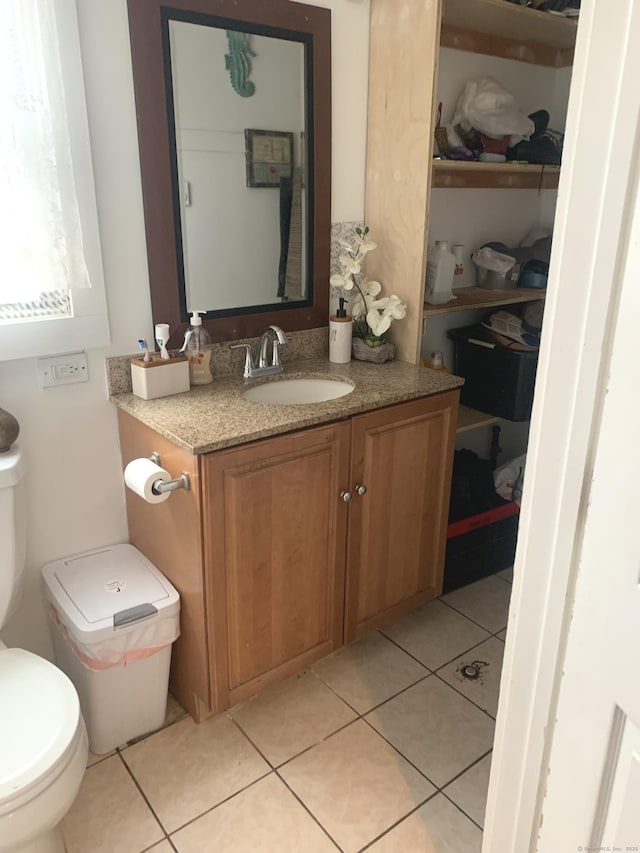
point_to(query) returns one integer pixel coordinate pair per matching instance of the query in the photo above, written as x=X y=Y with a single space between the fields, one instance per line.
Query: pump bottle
x=199 y=352
x=340 y=328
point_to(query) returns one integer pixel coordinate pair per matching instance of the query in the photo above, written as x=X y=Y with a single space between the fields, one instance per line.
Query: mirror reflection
x=239 y=171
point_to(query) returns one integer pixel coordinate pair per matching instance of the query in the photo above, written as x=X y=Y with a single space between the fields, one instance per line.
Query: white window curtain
x=40 y=234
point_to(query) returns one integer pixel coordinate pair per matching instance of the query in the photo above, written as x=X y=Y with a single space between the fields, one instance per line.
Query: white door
x=592 y=800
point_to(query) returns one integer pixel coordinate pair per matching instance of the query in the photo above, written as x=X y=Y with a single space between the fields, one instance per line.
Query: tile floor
x=383 y=746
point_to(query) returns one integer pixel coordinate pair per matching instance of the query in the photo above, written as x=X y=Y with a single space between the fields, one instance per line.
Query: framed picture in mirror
x=269 y=157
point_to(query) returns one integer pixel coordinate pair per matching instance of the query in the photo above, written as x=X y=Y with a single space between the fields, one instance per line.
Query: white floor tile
x=469 y=791
x=291 y=716
x=109 y=814
x=356 y=785
x=369 y=672
x=437 y=729
x=435 y=634
x=188 y=768
x=437 y=827
x=486 y=660
x=485 y=601
x=265 y=818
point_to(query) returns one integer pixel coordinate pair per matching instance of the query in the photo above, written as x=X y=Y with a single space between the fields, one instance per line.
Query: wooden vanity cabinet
x=275 y=534
x=277 y=554
x=403 y=457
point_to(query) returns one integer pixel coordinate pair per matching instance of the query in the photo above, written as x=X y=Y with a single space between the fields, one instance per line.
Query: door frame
x=592 y=212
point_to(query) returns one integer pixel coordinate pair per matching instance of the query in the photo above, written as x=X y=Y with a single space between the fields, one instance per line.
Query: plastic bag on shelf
x=486 y=106
x=508 y=479
x=489 y=259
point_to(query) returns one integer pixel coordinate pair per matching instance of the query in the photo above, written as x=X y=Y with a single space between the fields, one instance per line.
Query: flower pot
x=363 y=352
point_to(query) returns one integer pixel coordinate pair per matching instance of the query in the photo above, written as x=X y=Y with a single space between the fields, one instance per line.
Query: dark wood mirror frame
x=145 y=23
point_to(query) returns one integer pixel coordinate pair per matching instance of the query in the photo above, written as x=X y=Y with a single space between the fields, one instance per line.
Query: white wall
x=69 y=434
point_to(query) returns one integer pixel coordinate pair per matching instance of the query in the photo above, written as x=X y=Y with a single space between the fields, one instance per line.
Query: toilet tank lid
x=39 y=717
x=11 y=467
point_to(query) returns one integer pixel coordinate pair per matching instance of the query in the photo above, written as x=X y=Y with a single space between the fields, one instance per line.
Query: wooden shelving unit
x=476 y=297
x=499 y=28
x=462 y=174
x=469 y=419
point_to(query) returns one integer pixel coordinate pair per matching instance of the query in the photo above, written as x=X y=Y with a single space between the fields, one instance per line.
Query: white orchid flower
x=364 y=245
x=377 y=323
x=394 y=308
x=342 y=280
x=352 y=265
x=372 y=313
x=371 y=288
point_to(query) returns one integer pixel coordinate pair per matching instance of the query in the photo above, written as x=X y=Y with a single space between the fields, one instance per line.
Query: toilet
x=43 y=740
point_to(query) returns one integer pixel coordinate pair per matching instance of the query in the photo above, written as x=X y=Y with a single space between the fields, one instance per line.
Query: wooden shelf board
x=469 y=419
x=461 y=174
x=499 y=28
x=477 y=297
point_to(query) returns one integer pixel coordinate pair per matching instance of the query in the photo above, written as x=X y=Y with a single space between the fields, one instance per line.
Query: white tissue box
x=160 y=377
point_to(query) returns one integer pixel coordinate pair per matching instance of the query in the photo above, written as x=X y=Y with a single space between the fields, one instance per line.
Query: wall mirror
x=233 y=99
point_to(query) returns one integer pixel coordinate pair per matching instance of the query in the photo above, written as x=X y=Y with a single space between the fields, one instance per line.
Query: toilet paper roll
x=141 y=474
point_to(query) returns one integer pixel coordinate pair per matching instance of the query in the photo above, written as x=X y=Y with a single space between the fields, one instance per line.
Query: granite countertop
x=216 y=416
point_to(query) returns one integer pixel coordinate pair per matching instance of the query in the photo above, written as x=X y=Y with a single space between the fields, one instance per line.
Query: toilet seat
x=40 y=725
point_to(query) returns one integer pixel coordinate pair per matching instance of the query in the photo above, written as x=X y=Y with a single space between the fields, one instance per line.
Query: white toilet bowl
x=43 y=752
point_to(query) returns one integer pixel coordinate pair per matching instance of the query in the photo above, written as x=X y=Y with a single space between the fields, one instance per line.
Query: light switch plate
x=64 y=369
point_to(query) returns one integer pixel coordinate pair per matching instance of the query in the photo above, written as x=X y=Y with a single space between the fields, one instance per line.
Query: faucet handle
x=248 y=358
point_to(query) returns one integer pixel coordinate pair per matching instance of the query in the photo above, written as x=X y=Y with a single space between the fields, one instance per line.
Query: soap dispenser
x=340 y=328
x=198 y=352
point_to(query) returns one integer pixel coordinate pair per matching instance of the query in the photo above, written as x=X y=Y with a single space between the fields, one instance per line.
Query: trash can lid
x=112 y=588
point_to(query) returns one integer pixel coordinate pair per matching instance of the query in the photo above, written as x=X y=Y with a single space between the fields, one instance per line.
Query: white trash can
x=114 y=617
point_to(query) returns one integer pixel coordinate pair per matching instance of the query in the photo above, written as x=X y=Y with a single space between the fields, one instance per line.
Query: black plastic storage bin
x=498 y=380
x=487 y=547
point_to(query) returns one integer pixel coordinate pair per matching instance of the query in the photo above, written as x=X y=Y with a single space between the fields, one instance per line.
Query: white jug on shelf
x=441 y=267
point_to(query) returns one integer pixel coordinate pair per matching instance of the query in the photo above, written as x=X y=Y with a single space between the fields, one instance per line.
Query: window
x=52 y=295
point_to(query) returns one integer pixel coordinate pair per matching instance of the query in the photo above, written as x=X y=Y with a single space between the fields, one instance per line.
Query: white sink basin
x=297 y=392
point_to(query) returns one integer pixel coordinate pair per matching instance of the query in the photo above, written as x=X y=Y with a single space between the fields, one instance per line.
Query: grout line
x=226 y=800
x=464 y=614
x=464 y=696
x=446 y=663
x=412 y=656
x=398 y=822
x=100 y=759
x=460 y=809
x=308 y=810
x=245 y=735
x=335 y=692
x=462 y=772
x=399 y=693
x=401 y=754
x=143 y=795
x=313 y=745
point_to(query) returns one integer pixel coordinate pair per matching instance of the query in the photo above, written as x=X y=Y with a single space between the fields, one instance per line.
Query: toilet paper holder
x=160 y=487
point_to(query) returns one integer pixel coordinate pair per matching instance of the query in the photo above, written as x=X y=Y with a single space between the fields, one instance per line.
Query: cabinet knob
x=346 y=496
x=361 y=490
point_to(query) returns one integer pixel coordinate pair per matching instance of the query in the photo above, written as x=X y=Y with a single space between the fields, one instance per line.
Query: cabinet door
x=403 y=455
x=275 y=545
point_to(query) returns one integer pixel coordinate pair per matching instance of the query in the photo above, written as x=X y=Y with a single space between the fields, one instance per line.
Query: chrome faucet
x=263 y=368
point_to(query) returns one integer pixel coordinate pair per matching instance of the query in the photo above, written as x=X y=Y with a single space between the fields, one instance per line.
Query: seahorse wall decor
x=238 y=63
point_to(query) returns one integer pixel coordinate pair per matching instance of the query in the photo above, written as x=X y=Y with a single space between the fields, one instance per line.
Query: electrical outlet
x=63 y=369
